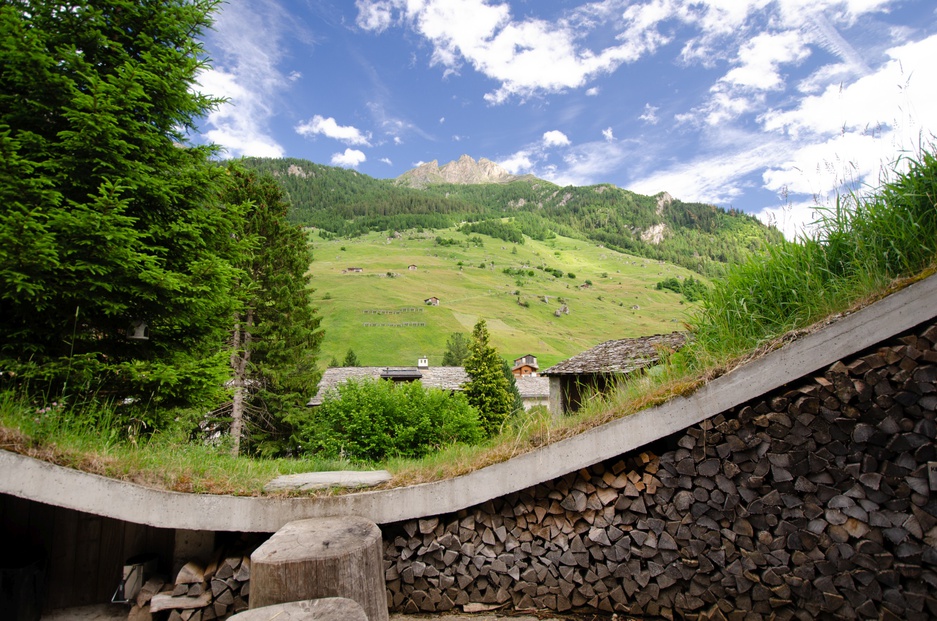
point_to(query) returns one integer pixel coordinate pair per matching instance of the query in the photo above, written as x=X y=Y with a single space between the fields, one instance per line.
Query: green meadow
x=468 y=279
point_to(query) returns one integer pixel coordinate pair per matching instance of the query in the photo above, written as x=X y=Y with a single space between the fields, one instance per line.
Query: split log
x=321 y=557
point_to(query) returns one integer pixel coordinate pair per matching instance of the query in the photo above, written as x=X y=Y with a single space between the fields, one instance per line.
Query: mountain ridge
x=346 y=203
x=464 y=171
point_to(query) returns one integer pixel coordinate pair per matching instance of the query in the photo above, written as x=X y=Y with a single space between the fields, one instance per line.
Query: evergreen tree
x=456 y=350
x=351 y=360
x=487 y=389
x=121 y=219
x=276 y=333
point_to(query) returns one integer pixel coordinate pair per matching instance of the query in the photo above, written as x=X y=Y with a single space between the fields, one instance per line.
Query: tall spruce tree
x=275 y=333
x=487 y=388
x=109 y=218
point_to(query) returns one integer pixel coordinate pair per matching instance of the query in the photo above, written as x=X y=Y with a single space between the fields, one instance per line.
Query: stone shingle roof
x=445 y=378
x=620 y=356
x=533 y=386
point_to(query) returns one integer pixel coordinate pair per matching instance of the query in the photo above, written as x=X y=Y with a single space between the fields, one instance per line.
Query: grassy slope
x=472 y=293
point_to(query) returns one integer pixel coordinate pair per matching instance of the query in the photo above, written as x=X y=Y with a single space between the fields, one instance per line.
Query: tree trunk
x=240 y=356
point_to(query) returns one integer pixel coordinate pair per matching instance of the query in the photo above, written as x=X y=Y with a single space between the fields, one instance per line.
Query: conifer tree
x=109 y=217
x=457 y=350
x=275 y=334
x=487 y=389
x=351 y=359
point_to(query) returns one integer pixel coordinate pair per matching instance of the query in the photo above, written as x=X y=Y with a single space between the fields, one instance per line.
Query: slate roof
x=620 y=356
x=533 y=386
x=445 y=378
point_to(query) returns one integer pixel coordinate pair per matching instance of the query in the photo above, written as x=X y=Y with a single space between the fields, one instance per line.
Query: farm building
x=433 y=301
x=525 y=365
x=445 y=378
x=597 y=369
x=534 y=390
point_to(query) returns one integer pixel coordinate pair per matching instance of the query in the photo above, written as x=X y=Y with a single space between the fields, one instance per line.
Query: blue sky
x=765 y=106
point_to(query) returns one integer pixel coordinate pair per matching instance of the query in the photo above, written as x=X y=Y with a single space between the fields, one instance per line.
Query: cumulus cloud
x=649 y=115
x=328 y=127
x=518 y=163
x=555 y=138
x=526 y=56
x=351 y=158
x=386 y=160
x=607 y=134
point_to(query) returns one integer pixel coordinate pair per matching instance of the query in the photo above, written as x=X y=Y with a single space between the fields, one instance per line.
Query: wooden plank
x=62 y=559
x=87 y=555
x=112 y=558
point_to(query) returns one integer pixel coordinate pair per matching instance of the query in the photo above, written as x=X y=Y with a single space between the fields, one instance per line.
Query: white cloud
x=386 y=160
x=848 y=133
x=608 y=135
x=442 y=120
x=592 y=92
x=555 y=138
x=329 y=128
x=717 y=177
x=518 y=163
x=246 y=39
x=375 y=15
x=351 y=158
x=759 y=60
x=650 y=114
x=526 y=56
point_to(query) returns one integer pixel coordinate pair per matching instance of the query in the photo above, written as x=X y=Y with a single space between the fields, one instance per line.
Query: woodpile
x=814 y=501
x=199 y=593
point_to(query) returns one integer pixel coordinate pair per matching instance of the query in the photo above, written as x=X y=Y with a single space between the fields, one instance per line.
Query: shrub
x=370 y=420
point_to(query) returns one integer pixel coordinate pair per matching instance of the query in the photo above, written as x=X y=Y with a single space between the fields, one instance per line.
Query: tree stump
x=325 y=609
x=321 y=557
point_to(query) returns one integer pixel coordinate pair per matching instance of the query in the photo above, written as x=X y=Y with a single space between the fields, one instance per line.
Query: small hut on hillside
x=596 y=369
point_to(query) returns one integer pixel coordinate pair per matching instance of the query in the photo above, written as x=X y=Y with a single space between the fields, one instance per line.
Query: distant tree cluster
x=691 y=288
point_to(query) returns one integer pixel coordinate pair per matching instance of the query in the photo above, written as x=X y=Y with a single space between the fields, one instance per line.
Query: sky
x=770 y=107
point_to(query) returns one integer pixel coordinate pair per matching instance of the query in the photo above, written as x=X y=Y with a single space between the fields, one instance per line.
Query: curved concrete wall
x=42 y=482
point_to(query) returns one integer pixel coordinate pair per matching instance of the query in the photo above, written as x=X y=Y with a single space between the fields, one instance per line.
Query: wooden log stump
x=325 y=609
x=318 y=558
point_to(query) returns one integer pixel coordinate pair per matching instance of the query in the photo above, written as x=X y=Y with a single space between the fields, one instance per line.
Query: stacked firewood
x=814 y=501
x=198 y=593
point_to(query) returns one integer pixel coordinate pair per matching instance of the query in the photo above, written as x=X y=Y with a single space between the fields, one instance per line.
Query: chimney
x=422 y=363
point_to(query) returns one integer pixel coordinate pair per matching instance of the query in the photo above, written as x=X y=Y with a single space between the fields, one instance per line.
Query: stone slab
x=325 y=609
x=306 y=481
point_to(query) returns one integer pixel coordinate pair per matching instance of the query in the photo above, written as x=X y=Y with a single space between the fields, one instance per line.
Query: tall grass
x=856 y=248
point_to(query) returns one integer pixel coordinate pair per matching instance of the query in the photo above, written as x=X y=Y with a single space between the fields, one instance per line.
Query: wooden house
x=525 y=365
x=433 y=301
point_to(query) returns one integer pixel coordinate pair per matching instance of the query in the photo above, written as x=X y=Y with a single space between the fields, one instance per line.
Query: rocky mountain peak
x=464 y=171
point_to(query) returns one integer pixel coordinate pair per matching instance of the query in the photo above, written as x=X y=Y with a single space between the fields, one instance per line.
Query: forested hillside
x=694 y=235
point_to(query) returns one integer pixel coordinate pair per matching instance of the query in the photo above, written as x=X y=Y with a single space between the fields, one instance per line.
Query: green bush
x=371 y=420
